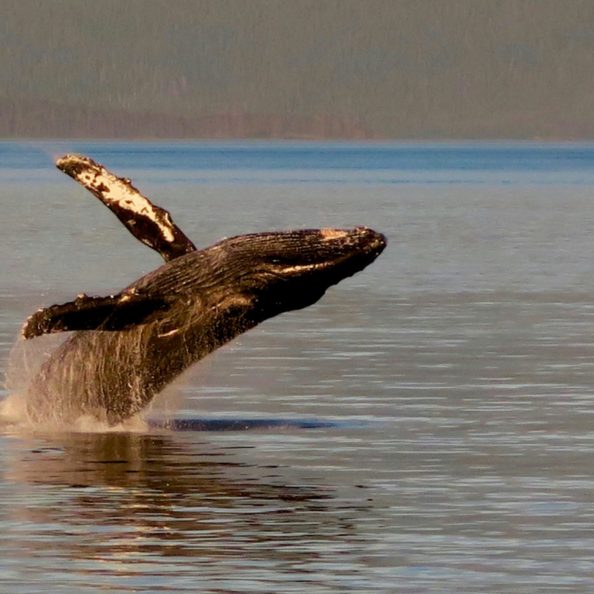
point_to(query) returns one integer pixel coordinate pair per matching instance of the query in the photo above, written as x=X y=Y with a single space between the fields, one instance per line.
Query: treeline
x=49 y=120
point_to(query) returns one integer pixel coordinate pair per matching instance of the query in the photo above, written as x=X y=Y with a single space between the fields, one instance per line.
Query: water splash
x=25 y=359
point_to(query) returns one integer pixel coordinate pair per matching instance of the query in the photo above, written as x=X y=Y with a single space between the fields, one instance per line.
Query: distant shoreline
x=46 y=120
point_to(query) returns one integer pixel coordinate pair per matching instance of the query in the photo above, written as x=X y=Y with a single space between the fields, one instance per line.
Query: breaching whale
x=125 y=348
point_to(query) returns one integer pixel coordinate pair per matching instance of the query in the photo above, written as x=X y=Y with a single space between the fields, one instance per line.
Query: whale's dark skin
x=128 y=347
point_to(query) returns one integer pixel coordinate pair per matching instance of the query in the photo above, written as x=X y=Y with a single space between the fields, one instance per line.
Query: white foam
x=24 y=361
x=13 y=414
x=13 y=410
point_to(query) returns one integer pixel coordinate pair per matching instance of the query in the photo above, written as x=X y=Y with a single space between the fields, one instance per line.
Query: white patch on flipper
x=118 y=191
x=127 y=198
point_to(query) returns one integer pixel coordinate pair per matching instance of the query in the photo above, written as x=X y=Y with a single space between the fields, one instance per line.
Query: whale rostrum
x=125 y=348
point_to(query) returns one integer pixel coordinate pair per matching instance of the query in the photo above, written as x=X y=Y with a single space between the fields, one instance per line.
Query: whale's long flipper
x=147 y=222
x=114 y=312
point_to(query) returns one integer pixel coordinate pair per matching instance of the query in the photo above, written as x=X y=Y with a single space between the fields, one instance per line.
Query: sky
x=297 y=68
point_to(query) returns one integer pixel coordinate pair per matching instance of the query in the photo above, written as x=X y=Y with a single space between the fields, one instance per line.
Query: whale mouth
x=340 y=254
x=344 y=251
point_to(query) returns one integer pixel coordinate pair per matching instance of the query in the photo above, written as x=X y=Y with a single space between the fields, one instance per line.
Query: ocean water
x=427 y=427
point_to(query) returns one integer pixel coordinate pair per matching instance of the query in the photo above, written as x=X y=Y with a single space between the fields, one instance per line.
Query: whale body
x=125 y=348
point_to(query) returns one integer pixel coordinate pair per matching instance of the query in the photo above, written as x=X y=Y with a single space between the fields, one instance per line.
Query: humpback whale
x=126 y=347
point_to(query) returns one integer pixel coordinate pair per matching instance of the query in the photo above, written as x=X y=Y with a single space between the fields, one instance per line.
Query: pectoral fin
x=148 y=222
x=114 y=312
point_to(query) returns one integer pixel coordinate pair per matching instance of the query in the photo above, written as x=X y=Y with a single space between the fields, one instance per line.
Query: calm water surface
x=427 y=427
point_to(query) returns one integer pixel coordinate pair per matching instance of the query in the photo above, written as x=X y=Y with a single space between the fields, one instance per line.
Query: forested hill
x=297 y=68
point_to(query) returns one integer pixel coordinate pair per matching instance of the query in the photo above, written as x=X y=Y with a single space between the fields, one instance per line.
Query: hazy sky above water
x=377 y=68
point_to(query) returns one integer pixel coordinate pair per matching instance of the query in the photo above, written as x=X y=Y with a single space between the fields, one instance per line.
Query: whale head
x=283 y=271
